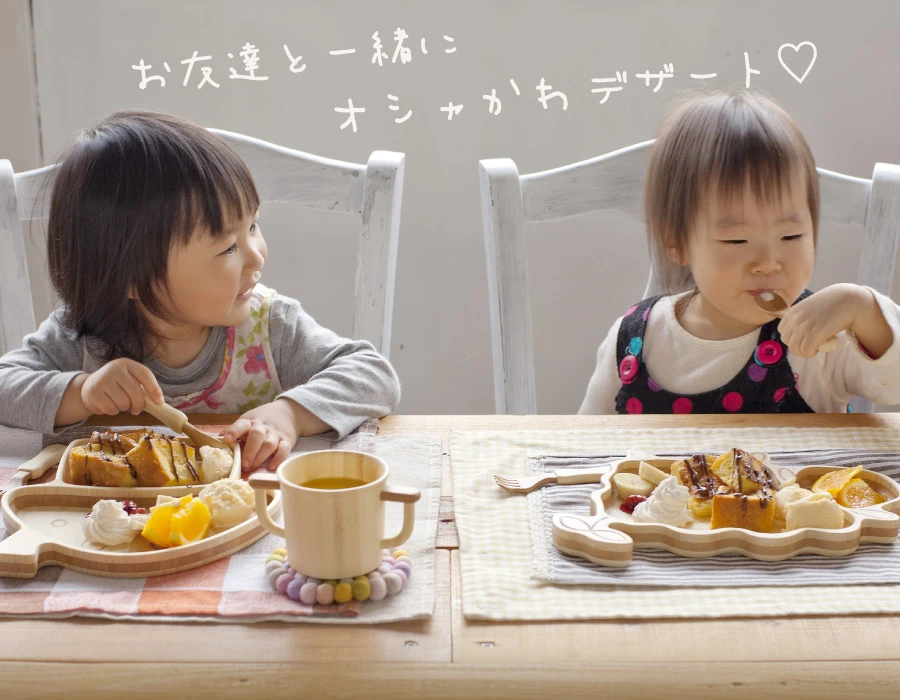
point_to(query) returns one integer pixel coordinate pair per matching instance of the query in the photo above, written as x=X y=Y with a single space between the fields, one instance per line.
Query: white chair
x=372 y=191
x=614 y=183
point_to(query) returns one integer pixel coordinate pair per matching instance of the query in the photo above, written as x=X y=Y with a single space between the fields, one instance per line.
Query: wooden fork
x=560 y=476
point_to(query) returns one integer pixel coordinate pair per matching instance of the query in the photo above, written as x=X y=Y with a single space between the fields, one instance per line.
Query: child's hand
x=808 y=324
x=269 y=433
x=116 y=387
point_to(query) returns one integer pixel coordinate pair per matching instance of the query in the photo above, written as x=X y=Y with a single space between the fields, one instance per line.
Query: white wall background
x=584 y=272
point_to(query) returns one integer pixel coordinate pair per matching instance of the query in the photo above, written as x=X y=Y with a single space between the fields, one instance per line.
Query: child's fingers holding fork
x=808 y=325
x=116 y=388
x=267 y=433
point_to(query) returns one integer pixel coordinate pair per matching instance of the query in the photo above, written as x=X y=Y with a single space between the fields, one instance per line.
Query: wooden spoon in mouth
x=775 y=305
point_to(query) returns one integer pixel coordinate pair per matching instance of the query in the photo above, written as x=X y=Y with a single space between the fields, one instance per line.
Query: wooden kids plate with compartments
x=609 y=535
x=46 y=521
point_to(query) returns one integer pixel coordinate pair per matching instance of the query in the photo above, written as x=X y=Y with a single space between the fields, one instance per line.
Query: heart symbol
x=796 y=50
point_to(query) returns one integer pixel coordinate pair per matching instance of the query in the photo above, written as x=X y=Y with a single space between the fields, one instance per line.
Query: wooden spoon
x=774 y=304
x=177 y=421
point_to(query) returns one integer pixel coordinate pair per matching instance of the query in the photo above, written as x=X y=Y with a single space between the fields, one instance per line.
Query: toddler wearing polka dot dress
x=732 y=210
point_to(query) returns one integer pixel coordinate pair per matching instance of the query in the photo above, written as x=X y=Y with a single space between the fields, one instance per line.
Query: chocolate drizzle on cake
x=745 y=469
x=702 y=482
x=191 y=463
x=135 y=458
x=130 y=467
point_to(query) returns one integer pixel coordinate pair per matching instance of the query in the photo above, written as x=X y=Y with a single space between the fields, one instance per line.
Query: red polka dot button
x=768 y=352
x=628 y=369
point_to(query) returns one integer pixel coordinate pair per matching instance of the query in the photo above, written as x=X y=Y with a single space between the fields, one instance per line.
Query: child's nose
x=766 y=261
x=256 y=255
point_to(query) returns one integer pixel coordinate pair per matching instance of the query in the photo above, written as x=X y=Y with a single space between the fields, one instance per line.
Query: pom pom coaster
x=388 y=579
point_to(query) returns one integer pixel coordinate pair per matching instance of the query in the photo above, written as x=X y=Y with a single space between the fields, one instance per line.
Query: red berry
x=140 y=511
x=631 y=503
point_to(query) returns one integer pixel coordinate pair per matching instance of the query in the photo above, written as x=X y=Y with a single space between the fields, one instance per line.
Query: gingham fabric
x=235 y=589
x=871 y=563
x=495 y=537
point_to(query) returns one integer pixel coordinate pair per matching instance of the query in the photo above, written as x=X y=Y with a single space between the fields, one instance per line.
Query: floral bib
x=248 y=377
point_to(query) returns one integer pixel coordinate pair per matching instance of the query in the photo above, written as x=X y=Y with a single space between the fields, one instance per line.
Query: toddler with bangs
x=156 y=252
x=732 y=212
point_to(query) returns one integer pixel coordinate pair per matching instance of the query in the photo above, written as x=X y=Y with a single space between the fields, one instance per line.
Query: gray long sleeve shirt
x=342 y=382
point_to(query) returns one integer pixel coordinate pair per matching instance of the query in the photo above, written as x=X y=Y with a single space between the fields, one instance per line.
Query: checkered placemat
x=871 y=563
x=235 y=588
x=495 y=537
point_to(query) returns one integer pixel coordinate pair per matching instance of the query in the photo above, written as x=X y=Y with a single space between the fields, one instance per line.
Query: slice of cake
x=135 y=458
x=740 y=510
x=91 y=467
x=102 y=460
x=163 y=461
x=743 y=473
x=186 y=462
x=701 y=482
x=115 y=443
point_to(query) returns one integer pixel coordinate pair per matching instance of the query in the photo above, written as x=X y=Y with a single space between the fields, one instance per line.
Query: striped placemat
x=871 y=563
x=496 y=547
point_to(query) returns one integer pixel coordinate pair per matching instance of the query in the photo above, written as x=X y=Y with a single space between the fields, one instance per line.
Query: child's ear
x=675 y=254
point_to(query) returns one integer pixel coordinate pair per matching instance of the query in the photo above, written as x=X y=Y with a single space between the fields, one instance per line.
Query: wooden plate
x=609 y=536
x=45 y=524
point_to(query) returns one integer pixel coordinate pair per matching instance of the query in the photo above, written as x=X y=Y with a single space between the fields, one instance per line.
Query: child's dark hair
x=721 y=142
x=125 y=192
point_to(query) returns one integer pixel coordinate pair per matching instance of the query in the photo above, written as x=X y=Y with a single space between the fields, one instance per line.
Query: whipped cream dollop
x=667 y=504
x=110 y=525
x=215 y=463
x=230 y=502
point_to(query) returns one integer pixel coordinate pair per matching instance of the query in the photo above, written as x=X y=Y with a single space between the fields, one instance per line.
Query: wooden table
x=447 y=656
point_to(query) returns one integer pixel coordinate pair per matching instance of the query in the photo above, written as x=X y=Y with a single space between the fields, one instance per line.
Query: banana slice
x=651 y=473
x=632 y=485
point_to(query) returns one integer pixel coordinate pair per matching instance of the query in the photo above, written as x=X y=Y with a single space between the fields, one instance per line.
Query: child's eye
x=254 y=226
x=794 y=237
x=230 y=250
x=734 y=241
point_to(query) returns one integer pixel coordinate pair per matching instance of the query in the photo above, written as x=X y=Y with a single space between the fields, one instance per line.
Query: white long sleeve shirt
x=682 y=363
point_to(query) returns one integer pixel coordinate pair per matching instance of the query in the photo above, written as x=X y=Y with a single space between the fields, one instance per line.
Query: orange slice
x=189 y=523
x=858 y=494
x=158 y=529
x=833 y=482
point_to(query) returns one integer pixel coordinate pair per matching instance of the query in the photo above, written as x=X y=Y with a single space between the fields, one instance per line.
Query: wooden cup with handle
x=334 y=533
